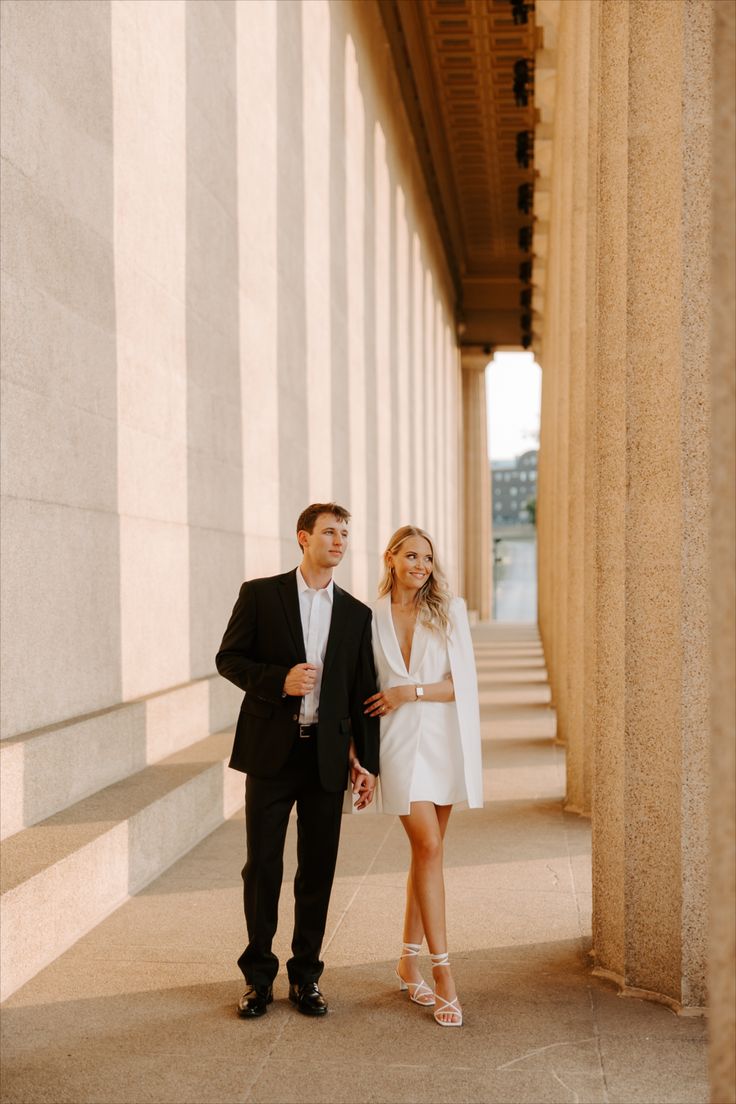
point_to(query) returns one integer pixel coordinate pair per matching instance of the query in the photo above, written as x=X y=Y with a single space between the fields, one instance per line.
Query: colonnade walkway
x=142 y=1009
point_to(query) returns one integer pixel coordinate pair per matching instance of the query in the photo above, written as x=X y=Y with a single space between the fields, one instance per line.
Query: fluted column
x=610 y=465
x=651 y=748
x=590 y=487
x=477 y=487
x=545 y=95
x=545 y=509
x=556 y=368
x=577 y=29
x=721 y=982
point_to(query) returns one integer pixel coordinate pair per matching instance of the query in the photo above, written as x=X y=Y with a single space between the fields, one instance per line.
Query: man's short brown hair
x=308 y=517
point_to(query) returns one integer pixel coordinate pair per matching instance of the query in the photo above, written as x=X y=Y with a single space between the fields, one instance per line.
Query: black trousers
x=268 y=803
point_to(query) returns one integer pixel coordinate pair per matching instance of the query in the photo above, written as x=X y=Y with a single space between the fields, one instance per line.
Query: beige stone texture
x=697 y=172
x=59 y=419
x=61 y=656
x=149 y=171
x=63 y=875
x=51 y=768
x=356 y=203
x=316 y=37
x=624 y=610
x=47 y=770
x=590 y=485
x=666 y=636
x=610 y=460
x=557 y=362
x=653 y=532
x=477 y=507
x=545 y=515
x=578 y=459
x=257 y=233
x=350 y=271
x=561 y=257
x=722 y=935
x=213 y=374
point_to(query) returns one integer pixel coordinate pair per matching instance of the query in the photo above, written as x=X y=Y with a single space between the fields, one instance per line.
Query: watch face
x=420 y=691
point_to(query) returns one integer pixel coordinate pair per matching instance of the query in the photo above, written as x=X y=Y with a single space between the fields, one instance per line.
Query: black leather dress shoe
x=308 y=999
x=255 y=1001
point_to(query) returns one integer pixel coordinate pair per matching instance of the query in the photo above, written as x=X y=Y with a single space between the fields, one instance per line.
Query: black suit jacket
x=263 y=640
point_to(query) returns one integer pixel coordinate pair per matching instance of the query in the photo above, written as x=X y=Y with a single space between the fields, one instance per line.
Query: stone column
x=545 y=494
x=546 y=484
x=477 y=487
x=590 y=488
x=610 y=471
x=560 y=286
x=721 y=987
x=545 y=94
x=578 y=31
x=545 y=489
x=651 y=867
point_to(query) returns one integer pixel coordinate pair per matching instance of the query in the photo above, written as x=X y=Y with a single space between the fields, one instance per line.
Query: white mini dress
x=430 y=751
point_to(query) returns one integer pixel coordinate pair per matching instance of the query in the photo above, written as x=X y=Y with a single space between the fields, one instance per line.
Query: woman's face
x=412 y=563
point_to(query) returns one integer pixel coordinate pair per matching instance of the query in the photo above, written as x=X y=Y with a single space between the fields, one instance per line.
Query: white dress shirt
x=315 y=609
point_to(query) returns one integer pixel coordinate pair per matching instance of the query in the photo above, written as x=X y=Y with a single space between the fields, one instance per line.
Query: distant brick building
x=514 y=484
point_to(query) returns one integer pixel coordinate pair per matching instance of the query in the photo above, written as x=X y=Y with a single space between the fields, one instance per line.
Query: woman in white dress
x=430 y=757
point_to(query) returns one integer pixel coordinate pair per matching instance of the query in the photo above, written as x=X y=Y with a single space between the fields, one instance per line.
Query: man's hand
x=300 y=680
x=363 y=783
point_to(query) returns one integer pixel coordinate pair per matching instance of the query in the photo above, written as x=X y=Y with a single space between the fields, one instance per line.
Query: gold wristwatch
x=419 y=691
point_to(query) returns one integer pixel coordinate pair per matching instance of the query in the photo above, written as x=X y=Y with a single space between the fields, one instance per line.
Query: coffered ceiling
x=455 y=63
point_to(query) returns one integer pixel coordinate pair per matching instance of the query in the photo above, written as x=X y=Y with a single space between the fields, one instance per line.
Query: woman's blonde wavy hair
x=434 y=597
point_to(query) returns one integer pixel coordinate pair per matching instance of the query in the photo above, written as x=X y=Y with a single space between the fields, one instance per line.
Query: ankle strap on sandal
x=410 y=950
x=441 y=959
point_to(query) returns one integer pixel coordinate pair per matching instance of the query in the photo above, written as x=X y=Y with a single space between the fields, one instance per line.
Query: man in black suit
x=300 y=648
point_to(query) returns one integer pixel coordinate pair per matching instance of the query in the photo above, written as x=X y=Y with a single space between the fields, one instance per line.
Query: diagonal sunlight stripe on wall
x=355 y=154
x=257 y=231
x=148 y=67
x=317 y=247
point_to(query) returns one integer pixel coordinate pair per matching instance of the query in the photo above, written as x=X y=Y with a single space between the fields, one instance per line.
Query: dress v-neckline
x=407 y=666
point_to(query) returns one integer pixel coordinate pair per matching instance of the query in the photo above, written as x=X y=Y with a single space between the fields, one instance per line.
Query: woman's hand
x=386 y=701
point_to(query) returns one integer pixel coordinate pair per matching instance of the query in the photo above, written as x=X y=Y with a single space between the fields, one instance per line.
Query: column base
x=570 y=807
x=646 y=994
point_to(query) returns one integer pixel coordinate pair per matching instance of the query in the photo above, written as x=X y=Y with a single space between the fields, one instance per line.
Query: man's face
x=325 y=546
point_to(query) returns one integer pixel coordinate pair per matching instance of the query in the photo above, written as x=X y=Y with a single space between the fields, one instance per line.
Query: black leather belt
x=305 y=731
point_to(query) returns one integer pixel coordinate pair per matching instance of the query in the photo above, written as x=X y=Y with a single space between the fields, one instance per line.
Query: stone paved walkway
x=142 y=1009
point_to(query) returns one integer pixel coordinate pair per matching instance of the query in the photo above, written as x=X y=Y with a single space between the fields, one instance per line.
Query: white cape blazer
x=462 y=668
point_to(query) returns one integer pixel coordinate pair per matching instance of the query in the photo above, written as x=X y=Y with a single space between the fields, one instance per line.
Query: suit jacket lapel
x=338 y=624
x=290 y=599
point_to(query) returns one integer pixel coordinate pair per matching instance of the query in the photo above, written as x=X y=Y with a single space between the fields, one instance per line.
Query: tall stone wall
x=61 y=580
x=223 y=297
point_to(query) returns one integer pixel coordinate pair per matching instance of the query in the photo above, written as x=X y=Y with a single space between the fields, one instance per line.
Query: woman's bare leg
x=425 y=826
x=413 y=926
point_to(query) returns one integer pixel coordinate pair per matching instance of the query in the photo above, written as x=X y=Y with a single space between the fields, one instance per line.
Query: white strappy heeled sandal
x=419 y=991
x=444 y=1007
